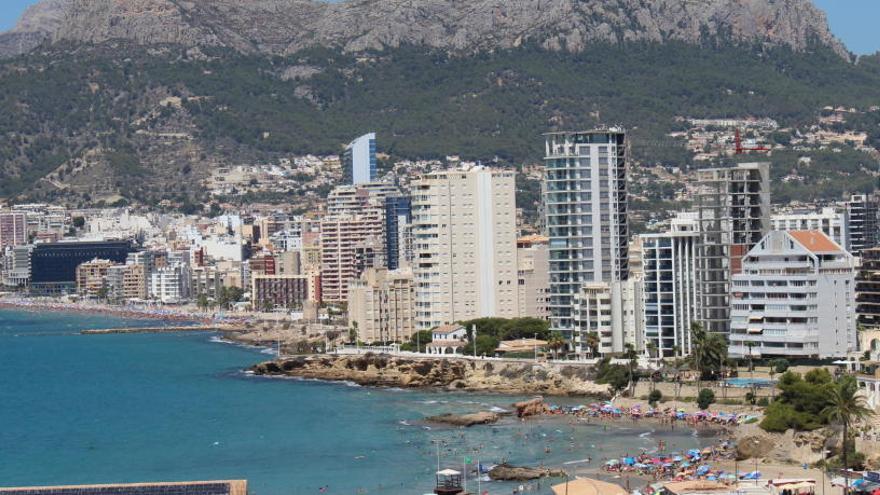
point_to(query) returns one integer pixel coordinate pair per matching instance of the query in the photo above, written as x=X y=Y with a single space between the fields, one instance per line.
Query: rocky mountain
x=287 y=26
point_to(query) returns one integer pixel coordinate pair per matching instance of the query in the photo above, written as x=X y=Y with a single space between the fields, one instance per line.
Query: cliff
x=287 y=26
x=450 y=374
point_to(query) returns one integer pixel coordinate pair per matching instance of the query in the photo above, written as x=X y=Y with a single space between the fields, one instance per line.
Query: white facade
x=670 y=296
x=171 y=284
x=359 y=160
x=464 y=246
x=613 y=311
x=830 y=221
x=222 y=248
x=795 y=297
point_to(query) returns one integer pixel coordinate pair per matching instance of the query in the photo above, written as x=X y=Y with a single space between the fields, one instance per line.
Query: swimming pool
x=743 y=382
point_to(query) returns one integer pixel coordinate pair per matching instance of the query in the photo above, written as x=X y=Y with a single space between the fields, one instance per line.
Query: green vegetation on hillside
x=423 y=104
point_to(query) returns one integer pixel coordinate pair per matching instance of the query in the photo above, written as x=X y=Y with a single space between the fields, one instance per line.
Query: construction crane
x=741 y=150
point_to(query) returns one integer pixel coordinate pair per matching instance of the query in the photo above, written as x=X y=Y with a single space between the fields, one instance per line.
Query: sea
x=85 y=409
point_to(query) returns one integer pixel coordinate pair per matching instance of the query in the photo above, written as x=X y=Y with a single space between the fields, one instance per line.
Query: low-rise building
x=279 y=291
x=91 y=278
x=447 y=339
x=795 y=297
x=382 y=305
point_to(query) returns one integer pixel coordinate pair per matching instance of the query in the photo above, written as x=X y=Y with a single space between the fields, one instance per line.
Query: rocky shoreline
x=508 y=377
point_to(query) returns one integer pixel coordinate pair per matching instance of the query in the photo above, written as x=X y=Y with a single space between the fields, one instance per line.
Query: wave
x=579 y=461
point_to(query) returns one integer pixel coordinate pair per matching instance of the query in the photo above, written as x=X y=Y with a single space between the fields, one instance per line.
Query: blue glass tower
x=359 y=161
x=398 y=214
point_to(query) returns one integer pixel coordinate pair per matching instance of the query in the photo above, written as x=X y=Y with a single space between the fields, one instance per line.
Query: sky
x=853 y=21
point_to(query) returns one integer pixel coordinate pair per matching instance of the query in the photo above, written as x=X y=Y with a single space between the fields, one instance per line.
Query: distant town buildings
x=13 y=229
x=435 y=243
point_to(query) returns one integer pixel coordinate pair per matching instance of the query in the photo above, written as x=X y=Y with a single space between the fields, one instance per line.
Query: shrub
x=705 y=398
x=654 y=397
x=780 y=365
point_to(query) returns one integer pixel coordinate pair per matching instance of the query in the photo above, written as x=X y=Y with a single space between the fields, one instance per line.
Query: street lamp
x=757 y=443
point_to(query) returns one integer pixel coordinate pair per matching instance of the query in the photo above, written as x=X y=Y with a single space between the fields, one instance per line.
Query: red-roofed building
x=795 y=297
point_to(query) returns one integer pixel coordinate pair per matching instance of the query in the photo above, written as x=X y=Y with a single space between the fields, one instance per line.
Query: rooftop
x=815 y=241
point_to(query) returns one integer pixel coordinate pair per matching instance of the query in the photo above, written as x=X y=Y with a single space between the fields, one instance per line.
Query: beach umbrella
x=629 y=461
x=702 y=470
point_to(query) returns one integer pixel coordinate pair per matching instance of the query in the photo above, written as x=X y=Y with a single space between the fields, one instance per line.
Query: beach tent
x=587 y=486
x=629 y=461
x=754 y=475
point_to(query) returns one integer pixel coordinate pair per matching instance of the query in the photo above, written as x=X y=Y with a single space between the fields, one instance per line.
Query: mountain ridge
x=283 y=27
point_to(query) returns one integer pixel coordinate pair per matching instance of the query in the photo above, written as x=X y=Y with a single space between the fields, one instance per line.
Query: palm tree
x=593 y=343
x=651 y=346
x=708 y=351
x=631 y=354
x=846 y=406
x=555 y=343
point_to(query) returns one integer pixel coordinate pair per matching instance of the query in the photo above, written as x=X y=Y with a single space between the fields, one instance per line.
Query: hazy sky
x=853 y=21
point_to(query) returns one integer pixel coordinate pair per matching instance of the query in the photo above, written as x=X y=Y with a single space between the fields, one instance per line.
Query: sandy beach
x=180 y=314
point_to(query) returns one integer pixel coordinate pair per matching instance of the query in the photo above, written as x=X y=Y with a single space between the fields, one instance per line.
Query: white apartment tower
x=464 y=246
x=670 y=288
x=585 y=207
x=795 y=297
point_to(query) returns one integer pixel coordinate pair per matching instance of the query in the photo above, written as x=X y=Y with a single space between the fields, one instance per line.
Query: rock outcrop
x=465 y=420
x=451 y=374
x=285 y=26
x=789 y=447
x=505 y=472
x=533 y=407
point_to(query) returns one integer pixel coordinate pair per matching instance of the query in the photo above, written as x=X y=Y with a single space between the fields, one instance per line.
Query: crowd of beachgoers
x=667 y=415
x=694 y=464
x=146 y=311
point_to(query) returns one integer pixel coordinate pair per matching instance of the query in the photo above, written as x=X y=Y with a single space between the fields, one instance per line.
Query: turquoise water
x=748 y=382
x=129 y=408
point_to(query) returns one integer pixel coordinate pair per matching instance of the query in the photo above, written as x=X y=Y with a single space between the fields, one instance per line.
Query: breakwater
x=161 y=329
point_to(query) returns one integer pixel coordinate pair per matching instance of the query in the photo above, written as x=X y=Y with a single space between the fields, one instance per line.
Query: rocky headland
x=510 y=377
